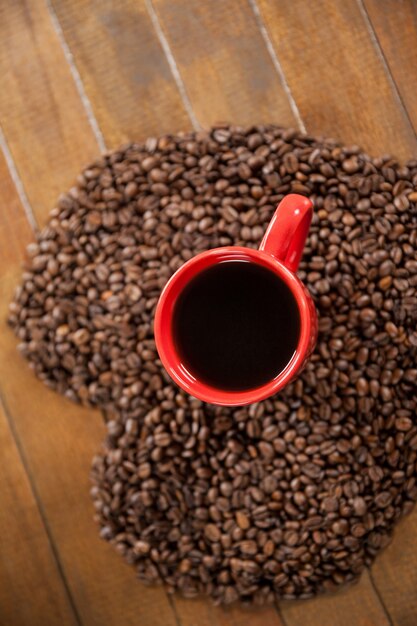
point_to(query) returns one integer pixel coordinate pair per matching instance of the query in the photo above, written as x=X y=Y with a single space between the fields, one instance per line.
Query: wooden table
x=79 y=76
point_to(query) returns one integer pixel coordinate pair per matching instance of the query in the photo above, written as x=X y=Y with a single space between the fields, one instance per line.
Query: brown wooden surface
x=41 y=114
x=395 y=26
x=32 y=586
x=337 y=74
x=358 y=605
x=226 y=68
x=124 y=70
x=199 y=612
x=31 y=580
x=395 y=574
x=77 y=75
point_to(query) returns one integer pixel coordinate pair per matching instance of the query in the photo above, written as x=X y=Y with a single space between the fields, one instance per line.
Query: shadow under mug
x=280 y=252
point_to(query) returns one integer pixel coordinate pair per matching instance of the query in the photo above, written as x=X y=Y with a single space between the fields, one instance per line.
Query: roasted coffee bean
x=359 y=506
x=212 y=532
x=330 y=504
x=282 y=499
x=242 y=520
x=403 y=423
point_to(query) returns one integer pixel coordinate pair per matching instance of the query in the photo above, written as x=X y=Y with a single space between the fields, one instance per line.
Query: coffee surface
x=236 y=325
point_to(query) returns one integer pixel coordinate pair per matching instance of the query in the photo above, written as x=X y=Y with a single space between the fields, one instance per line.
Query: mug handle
x=287 y=231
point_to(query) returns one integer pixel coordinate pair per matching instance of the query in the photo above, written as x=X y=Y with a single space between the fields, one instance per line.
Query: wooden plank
x=222 y=58
x=15 y=231
x=57 y=438
x=194 y=31
x=228 y=74
x=123 y=67
x=32 y=590
x=42 y=116
x=337 y=75
x=59 y=441
x=101 y=609
x=395 y=573
x=201 y=612
x=357 y=605
x=395 y=26
x=205 y=54
x=342 y=60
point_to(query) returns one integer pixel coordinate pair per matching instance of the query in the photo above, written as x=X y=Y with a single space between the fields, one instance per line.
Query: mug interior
x=165 y=341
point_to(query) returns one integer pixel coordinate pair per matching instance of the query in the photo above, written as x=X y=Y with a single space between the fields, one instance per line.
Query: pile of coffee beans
x=282 y=499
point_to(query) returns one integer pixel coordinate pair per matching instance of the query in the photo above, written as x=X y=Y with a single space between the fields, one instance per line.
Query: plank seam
x=380 y=598
x=280 y=615
x=76 y=77
x=380 y=53
x=41 y=510
x=14 y=175
x=171 y=602
x=172 y=64
x=277 y=65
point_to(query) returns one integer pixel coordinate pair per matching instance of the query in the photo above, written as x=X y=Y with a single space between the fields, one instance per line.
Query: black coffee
x=236 y=325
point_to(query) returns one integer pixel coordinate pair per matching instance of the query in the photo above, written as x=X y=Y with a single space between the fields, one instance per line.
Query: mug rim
x=165 y=342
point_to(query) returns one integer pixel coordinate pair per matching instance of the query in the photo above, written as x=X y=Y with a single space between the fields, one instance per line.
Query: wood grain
x=42 y=135
x=395 y=573
x=201 y=612
x=15 y=231
x=227 y=71
x=395 y=25
x=57 y=438
x=59 y=441
x=123 y=67
x=354 y=606
x=228 y=74
x=337 y=76
x=31 y=589
x=203 y=31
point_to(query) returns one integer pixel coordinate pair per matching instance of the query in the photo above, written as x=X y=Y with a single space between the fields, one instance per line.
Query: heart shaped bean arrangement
x=281 y=499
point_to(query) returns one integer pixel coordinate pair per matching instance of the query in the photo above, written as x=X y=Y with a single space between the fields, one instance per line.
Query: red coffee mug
x=280 y=252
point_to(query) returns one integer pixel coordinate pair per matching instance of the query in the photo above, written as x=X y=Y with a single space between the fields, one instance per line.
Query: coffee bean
x=383 y=499
x=340 y=527
x=282 y=499
x=367 y=315
x=242 y=520
x=385 y=283
x=270 y=432
x=330 y=504
x=248 y=547
x=80 y=337
x=212 y=532
x=403 y=423
x=359 y=506
x=141 y=547
x=313 y=522
x=311 y=470
x=291 y=538
x=280 y=446
x=269 y=548
x=351 y=165
x=162 y=439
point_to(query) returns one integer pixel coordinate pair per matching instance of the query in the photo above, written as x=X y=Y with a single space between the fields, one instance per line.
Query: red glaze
x=280 y=251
